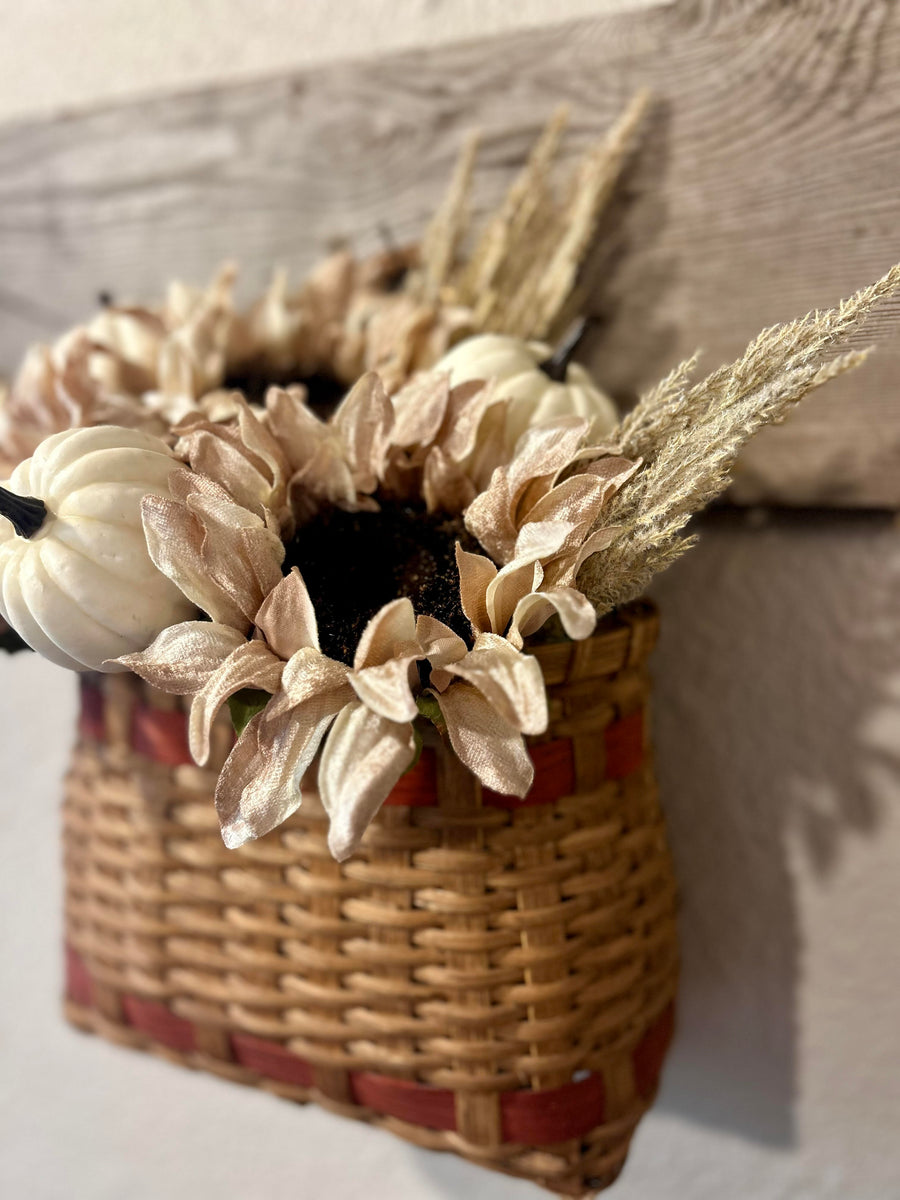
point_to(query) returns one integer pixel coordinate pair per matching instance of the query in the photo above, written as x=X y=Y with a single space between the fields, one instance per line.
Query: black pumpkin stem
x=27 y=513
x=556 y=366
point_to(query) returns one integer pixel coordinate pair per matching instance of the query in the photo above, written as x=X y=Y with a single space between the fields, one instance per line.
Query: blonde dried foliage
x=521 y=273
x=446 y=229
x=689 y=437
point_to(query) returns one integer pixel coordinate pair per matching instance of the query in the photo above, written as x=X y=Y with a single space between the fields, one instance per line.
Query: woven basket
x=486 y=976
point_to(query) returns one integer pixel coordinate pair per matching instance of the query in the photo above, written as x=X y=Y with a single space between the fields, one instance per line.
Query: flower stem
x=26 y=513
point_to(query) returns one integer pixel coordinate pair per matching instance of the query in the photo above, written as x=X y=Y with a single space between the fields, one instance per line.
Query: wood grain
x=766 y=185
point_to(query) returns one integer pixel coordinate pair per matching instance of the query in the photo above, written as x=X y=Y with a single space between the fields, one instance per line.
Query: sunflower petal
x=251 y=665
x=575 y=611
x=490 y=747
x=509 y=680
x=287 y=617
x=476 y=573
x=174 y=541
x=391 y=632
x=363 y=420
x=181 y=659
x=386 y=689
x=363 y=758
x=419 y=408
x=259 y=786
x=310 y=673
x=440 y=645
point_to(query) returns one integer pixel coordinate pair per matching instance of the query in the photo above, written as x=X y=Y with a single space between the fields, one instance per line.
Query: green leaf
x=418 y=742
x=431 y=711
x=244 y=705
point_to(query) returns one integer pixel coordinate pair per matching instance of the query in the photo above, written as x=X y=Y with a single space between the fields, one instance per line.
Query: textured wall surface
x=70 y=53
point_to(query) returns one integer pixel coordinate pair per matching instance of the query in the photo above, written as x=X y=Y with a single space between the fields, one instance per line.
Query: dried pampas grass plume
x=520 y=275
x=688 y=437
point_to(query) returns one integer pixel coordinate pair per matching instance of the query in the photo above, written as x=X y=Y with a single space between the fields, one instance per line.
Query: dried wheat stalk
x=522 y=270
x=689 y=437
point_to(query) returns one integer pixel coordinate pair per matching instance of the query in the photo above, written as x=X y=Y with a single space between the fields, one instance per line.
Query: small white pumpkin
x=76 y=580
x=539 y=382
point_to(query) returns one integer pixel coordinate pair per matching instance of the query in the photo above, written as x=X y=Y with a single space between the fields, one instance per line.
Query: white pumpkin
x=76 y=580
x=541 y=384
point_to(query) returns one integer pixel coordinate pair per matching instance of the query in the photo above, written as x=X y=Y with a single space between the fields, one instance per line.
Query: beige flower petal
x=387 y=689
x=490 y=450
x=576 y=501
x=182 y=658
x=287 y=617
x=563 y=571
x=575 y=611
x=389 y=634
x=512 y=682
x=490 y=747
x=445 y=486
x=440 y=645
x=174 y=541
x=476 y=573
x=613 y=469
x=363 y=420
x=541 y=453
x=259 y=786
x=251 y=665
x=309 y=673
x=504 y=592
x=489 y=518
x=238 y=551
x=242 y=765
x=419 y=409
x=295 y=426
x=542 y=540
x=260 y=443
x=212 y=454
x=468 y=404
x=363 y=758
x=328 y=475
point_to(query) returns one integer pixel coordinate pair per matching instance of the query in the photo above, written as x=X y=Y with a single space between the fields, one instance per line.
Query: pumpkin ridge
x=60 y=481
x=55 y=582
x=37 y=566
x=35 y=634
x=95 y=565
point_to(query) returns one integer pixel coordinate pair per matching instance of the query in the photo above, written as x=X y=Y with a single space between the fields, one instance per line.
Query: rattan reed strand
x=479 y=955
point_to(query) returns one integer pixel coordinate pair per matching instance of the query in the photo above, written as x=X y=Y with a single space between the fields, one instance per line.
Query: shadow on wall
x=778 y=663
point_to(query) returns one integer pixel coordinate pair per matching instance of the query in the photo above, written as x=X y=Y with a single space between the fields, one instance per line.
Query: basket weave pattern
x=485 y=976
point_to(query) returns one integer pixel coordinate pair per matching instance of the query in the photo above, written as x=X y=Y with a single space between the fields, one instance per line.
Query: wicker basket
x=486 y=976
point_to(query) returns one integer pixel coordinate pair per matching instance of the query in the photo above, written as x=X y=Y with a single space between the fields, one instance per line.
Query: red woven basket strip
x=651 y=1051
x=162 y=737
x=418 y=787
x=79 y=986
x=624 y=742
x=527 y=1118
x=554 y=776
x=416 y=1103
x=271 y=1059
x=555 y=1115
x=154 y=1019
x=90 y=722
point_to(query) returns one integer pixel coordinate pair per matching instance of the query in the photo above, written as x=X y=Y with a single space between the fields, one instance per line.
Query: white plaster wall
x=778 y=721
x=63 y=53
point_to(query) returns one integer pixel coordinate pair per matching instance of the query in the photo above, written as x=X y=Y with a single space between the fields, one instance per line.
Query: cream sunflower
x=384 y=608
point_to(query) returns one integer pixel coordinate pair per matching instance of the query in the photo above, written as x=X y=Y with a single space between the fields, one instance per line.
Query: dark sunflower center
x=323 y=392
x=354 y=563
